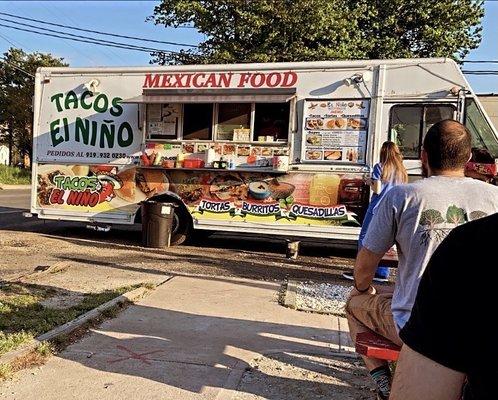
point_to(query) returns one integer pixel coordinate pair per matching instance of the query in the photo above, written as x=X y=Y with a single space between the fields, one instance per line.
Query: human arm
x=378 y=239
x=376 y=179
x=418 y=377
x=364 y=269
x=376 y=186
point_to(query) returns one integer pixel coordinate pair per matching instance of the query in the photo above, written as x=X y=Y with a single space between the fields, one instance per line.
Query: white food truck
x=279 y=148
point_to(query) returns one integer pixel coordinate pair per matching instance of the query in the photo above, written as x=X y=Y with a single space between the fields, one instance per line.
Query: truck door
x=408 y=124
x=483 y=135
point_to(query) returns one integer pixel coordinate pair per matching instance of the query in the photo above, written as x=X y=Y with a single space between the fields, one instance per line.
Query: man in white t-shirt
x=416 y=217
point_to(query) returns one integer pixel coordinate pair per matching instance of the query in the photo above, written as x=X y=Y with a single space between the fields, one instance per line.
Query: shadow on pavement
x=205 y=334
x=253 y=266
x=173 y=350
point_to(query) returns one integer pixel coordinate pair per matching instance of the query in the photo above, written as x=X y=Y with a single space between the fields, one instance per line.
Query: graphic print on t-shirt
x=436 y=227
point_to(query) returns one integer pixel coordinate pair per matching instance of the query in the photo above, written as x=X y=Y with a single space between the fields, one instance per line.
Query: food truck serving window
x=233 y=120
x=197 y=121
x=238 y=122
x=271 y=120
x=409 y=124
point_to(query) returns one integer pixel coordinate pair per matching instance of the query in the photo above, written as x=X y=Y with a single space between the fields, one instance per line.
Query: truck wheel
x=182 y=227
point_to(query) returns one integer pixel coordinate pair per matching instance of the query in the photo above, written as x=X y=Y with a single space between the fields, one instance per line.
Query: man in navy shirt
x=449 y=338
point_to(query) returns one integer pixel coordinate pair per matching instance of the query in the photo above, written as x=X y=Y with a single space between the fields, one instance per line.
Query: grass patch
x=14 y=176
x=22 y=317
x=5 y=371
x=45 y=349
x=11 y=341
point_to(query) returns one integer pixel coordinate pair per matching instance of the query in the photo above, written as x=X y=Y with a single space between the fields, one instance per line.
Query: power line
x=15 y=67
x=489 y=72
x=93 y=41
x=480 y=62
x=7 y=40
x=13 y=43
x=76 y=49
x=99 y=32
x=150 y=49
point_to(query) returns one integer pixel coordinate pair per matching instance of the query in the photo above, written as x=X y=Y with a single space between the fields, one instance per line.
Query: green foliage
x=16 y=93
x=5 y=371
x=455 y=215
x=309 y=30
x=45 y=349
x=420 y=28
x=431 y=218
x=22 y=316
x=262 y=30
x=10 y=341
x=14 y=175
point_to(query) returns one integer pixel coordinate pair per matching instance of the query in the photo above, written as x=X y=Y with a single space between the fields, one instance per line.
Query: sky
x=128 y=18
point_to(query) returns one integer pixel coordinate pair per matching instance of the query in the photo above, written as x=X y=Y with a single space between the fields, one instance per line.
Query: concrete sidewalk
x=197 y=338
x=14 y=187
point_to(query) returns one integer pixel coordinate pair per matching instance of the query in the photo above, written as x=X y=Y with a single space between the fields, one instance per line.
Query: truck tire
x=182 y=226
x=182 y=221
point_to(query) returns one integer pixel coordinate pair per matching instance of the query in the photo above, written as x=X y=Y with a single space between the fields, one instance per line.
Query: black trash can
x=157 y=222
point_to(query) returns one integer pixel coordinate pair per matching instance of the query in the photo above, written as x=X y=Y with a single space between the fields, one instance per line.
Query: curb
x=290 y=294
x=290 y=300
x=70 y=326
x=13 y=187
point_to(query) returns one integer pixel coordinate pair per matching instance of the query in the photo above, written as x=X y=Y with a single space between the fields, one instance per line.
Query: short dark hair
x=448 y=145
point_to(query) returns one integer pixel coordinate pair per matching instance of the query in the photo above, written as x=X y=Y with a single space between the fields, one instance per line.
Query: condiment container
x=168 y=163
x=179 y=160
x=144 y=160
x=210 y=156
x=158 y=159
x=193 y=163
x=281 y=163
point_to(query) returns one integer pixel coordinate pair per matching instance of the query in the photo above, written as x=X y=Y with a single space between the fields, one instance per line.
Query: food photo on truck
x=281 y=149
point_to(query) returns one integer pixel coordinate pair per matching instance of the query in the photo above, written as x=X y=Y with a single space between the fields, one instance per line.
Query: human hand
x=356 y=292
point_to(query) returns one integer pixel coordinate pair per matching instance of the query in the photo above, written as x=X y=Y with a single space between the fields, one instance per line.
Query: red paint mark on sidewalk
x=134 y=356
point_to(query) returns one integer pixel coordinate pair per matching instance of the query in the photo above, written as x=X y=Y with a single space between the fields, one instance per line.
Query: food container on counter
x=220 y=164
x=157 y=160
x=281 y=163
x=210 y=156
x=193 y=163
x=351 y=189
x=168 y=163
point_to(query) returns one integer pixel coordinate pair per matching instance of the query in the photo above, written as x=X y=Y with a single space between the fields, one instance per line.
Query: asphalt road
x=12 y=204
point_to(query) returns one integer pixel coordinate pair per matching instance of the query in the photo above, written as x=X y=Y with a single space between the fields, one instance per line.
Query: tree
x=307 y=30
x=420 y=28
x=262 y=30
x=17 y=87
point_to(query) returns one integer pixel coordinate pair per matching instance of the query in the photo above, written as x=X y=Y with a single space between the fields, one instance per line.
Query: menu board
x=163 y=120
x=335 y=130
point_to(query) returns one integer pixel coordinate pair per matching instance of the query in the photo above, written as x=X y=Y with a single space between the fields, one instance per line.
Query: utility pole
x=11 y=140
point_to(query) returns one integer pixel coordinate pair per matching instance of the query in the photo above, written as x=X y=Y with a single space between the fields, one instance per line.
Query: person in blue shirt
x=386 y=174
